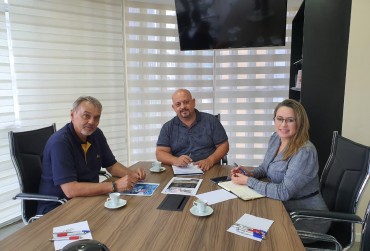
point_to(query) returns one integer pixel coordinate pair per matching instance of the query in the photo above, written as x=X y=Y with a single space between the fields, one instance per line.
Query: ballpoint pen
x=70 y=233
x=241 y=169
x=251 y=231
x=254 y=234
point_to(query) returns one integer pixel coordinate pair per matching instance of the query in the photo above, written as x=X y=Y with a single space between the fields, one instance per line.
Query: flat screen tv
x=221 y=24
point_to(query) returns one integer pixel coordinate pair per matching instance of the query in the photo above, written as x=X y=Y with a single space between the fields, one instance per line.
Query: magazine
x=142 y=189
x=184 y=186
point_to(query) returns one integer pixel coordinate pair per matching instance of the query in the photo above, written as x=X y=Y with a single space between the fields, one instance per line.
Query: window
x=52 y=52
x=126 y=53
x=242 y=85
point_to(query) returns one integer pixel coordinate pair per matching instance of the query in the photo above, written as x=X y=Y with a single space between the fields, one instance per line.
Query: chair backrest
x=224 y=158
x=342 y=182
x=365 y=234
x=26 y=149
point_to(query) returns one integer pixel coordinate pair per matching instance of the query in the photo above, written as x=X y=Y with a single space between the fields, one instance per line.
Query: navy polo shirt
x=64 y=161
x=200 y=140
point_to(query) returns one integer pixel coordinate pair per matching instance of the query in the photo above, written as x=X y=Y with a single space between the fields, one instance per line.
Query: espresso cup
x=156 y=166
x=200 y=205
x=114 y=199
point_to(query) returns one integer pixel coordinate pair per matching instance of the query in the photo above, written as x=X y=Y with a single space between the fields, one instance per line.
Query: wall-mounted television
x=221 y=24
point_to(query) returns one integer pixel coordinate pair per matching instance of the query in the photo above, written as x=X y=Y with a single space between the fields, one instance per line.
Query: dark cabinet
x=320 y=34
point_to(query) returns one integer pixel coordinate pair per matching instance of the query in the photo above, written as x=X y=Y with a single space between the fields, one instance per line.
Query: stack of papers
x=187 y=170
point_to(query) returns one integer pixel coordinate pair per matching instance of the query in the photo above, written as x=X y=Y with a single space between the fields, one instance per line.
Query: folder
x=242 y=191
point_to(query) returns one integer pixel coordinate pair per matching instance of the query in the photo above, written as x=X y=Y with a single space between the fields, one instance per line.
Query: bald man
x=191 y=136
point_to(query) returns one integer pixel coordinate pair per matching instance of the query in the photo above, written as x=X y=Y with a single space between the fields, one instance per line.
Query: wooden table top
x=141 y=226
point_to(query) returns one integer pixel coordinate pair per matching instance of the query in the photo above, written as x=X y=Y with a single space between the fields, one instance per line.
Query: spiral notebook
x=242 y=191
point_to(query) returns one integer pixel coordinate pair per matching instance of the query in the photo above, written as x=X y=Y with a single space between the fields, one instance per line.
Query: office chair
x=342 y=182
x=224 y=158
x=26 y=149
x=365 y=233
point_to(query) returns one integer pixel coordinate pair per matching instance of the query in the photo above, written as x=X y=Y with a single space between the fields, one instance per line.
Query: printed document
x=190 y=169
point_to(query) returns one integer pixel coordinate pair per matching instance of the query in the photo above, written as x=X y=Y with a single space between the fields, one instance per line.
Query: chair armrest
x=329 y=215
x=38 y=197
x=224 y=160
x=104 y=173
x=319 y=237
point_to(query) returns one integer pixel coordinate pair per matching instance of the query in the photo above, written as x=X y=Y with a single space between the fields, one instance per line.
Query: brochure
x=142 y=189
x=184 y=186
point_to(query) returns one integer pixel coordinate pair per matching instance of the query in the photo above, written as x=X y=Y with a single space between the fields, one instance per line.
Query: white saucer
x=155 y=171
x=194 y=211
x=121 y=203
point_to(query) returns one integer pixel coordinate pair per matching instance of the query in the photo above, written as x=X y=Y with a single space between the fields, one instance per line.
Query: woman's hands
x=239 y=175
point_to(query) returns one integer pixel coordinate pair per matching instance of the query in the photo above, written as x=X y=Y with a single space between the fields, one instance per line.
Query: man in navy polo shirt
x=191 y=136
x=74 y=155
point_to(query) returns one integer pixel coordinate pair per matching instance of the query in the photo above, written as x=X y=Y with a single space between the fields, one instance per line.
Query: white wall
x=356 y=117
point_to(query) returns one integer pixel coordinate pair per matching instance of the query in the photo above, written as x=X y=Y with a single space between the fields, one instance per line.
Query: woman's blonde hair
x=301 y=137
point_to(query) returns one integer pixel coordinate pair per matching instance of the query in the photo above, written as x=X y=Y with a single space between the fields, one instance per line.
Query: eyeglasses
x=280 y=120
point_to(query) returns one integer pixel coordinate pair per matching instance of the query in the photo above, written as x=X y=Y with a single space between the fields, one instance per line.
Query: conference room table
x=139 y=225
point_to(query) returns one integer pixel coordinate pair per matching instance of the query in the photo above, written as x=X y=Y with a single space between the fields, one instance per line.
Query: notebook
x=242 y=191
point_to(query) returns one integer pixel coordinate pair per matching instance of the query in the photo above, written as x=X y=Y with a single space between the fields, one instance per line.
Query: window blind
x=243 y=85
x=155 y=69
x=9 y=209
x=61 y=50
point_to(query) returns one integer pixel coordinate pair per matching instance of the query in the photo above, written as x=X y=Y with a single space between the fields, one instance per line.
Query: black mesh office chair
x=224 y=158
x=342 y=182
x=26 y=149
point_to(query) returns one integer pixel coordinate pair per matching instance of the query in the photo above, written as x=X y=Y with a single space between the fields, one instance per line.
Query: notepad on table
x=242 y=191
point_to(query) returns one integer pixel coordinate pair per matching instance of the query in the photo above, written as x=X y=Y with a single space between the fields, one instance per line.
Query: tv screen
x=221 y=24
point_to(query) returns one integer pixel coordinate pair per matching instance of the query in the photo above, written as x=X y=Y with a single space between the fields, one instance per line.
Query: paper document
x=184 y=186
x=142 y=189
x=79 y=226
x=252 y=222
x=216 y=196
x=187 y=170
x=242 y=191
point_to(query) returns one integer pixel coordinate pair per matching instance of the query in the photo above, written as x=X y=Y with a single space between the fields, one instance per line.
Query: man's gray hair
x=89 y=99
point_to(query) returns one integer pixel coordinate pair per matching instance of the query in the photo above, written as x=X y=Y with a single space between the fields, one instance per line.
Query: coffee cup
x=114 y=199
x=156 y=166
x=200 y=205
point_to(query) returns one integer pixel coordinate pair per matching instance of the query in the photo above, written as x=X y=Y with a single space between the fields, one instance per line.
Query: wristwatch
x=114 y=188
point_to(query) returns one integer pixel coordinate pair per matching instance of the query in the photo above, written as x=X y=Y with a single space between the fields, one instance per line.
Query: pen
x=257 y=235
x=76 y=237
x=240 y=169
x=70 y=233
x=251 y=231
